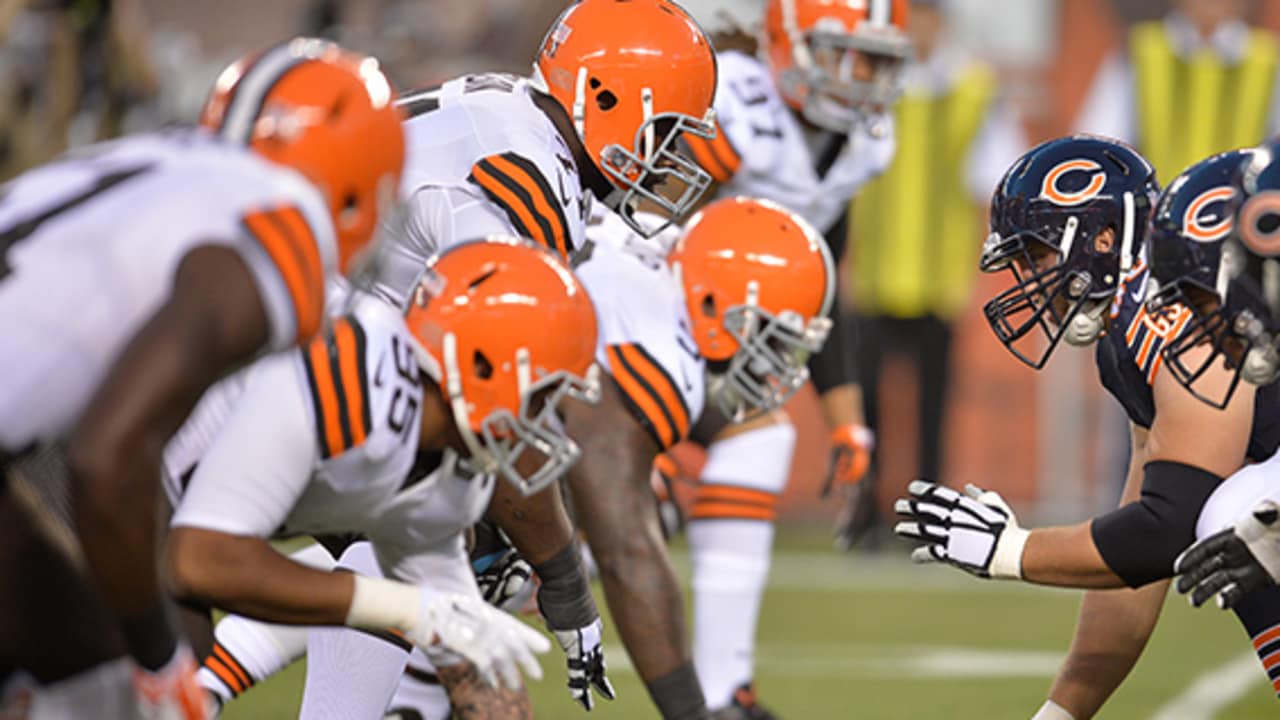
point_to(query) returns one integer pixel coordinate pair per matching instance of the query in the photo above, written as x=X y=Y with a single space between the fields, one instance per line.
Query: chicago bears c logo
x=1051 y=188
x=1259 y=223
x=1199 y=225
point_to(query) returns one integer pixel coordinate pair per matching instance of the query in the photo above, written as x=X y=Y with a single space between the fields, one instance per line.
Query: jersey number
x=404 y=401
x=24 y=229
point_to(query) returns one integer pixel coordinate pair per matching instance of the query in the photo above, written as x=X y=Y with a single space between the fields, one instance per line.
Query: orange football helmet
x=634 y=76
x=326 y=112
x=815 y=48
x=508 y=332
x=759 y=282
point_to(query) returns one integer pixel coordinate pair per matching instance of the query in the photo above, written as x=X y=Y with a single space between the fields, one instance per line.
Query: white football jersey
x=325 y=439
x=763 y=150
x=481 y=159
x=90 y=243
x=645 y=342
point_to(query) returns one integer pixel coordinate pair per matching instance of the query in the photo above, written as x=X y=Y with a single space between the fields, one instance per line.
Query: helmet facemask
x=1060 y=301
x=824 y=74
x=769 y=365
x=655 y=171
x=505 y=438
x=1234 y=331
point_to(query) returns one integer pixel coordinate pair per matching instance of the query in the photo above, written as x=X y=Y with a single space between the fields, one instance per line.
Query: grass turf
x=874 y=637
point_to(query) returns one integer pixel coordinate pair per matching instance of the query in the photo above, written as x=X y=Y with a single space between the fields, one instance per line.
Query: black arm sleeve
x=1140 y=541
x=836 y=365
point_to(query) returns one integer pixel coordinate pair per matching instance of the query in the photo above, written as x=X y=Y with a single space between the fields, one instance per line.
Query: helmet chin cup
x=1087 y=325
x=1261 y=365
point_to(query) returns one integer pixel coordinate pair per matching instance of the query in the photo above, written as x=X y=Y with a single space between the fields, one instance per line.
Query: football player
x=1231 y=288
x=133 y=274
x=717 y=296
x=394 y=428
x=615 y=85
x=804 y=120
x=1066 y=223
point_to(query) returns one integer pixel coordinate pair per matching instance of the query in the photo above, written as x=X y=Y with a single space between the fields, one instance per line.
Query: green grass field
x=874 y=637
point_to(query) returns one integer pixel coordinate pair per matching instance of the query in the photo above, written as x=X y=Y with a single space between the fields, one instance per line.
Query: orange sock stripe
x=732 y=493
x=224 y=674
x=732 y=511
x=1271 y=659
x=1266 y=636
x=233 y=665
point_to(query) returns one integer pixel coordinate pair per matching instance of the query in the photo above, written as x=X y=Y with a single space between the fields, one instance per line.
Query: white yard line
x=1213 y=691
x=886 y=661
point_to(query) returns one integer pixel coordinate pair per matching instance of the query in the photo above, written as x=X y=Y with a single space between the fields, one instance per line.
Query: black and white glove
x=1233 y=562
x=505 y=581
x=975 y=531
x=585 y=655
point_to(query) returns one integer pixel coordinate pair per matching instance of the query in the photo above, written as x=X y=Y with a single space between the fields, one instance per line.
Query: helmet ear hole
x=484 y=368
x=606 y=100
x=709 y=306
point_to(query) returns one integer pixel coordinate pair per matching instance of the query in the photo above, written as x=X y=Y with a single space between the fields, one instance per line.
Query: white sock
x=420 y=692
x=730 y=538
x=1052 y=711
x=246 y=652
x=351 y=674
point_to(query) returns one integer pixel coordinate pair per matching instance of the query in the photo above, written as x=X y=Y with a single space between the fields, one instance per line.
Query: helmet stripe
x=879 y=14
x=253 y=87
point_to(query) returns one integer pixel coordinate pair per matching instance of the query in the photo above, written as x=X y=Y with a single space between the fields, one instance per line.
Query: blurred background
x=947 y=400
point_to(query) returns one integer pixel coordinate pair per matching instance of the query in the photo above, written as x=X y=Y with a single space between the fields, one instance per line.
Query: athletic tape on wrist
x=564 y=597
x=379 y=604
x=1006 y=562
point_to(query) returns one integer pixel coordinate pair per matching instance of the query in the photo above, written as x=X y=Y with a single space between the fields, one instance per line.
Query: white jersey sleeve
x=344 y=411
x=645 y=343
x=482 y=158
x=433 y=218
x=762 y=149
x=261 y=460
x=94 y=241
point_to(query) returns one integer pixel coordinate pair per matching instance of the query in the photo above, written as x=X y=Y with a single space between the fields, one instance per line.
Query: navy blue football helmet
x=1047 y=216
x=1191 y=269
x=1213 y=251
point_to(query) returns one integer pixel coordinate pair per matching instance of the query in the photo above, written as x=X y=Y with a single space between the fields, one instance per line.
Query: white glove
x=585 y=655
x=1233 y=562
x=976 y=532
x=496 y=643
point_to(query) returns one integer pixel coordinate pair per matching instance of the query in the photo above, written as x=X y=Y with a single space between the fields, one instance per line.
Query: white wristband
x=1006 y=562
x=1052 y=711
x=378 y=604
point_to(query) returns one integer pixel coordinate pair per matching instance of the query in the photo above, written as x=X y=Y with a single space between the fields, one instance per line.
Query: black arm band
x=1140 y=541
x=835 y=364
x=564 y=598
x=678 y=695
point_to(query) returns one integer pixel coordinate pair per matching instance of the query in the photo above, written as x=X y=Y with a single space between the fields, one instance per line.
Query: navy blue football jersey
x=1129 y=357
